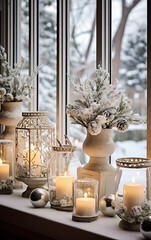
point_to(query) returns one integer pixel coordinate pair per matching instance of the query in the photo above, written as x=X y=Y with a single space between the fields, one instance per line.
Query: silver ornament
x=39 y=197
x=145 y=227
x=107 y=205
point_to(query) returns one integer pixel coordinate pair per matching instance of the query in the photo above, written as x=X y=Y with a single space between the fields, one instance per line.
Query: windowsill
x=19 y=217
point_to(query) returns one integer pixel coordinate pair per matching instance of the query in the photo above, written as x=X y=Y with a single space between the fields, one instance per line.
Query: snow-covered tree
x=133 y=71
x=47 y=49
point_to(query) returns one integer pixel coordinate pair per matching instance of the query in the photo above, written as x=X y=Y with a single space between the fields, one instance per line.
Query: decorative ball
x=107 y=205
x=39 y=197
x=145 y=227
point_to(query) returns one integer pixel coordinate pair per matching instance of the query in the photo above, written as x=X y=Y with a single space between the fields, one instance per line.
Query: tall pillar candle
x=35 y=156
x=133 y=195
x=4 y=171
x=64 y=186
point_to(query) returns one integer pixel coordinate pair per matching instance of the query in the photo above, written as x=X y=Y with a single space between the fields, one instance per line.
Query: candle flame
x=76 y=142
x=1 y=161
x=85 y=195
x=32 y=147
x=133 y=179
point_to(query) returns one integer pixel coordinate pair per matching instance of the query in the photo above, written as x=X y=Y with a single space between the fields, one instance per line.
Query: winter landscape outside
x=129 y=65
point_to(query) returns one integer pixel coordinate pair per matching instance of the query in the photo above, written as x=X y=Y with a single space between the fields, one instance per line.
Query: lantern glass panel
x=61 y=176
x=6 y=166
x=133 y=191
x=85 y=200
x=35 y=135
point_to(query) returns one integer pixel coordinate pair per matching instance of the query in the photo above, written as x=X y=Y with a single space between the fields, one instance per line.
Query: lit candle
x=133 y=195
x=64 y=186
x=4 y=170
x=85 y=206
x=35 y=156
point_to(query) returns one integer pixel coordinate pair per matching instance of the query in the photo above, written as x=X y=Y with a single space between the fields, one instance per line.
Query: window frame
x=10 y=20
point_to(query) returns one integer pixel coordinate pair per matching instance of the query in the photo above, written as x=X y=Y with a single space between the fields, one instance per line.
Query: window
x=129 y=65
x=25 y=40
x=70 y=38
x=82 y=56
x=47 y=56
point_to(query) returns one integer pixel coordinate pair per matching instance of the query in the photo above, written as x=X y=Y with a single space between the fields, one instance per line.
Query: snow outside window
x=129 y=65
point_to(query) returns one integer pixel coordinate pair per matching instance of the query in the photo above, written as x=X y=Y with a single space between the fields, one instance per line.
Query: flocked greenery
x=100 y=104
x=14 y=87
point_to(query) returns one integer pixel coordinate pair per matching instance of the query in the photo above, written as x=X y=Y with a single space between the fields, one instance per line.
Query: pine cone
x=122 y=125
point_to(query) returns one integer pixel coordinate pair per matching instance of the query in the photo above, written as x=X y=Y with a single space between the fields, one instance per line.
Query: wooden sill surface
x=20 y=221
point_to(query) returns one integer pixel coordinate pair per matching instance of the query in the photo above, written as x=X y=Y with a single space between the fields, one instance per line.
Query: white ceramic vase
x=10 y=115
x=99 y=148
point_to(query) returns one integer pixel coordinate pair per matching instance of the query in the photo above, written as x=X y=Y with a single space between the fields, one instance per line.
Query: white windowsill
x=18 y=211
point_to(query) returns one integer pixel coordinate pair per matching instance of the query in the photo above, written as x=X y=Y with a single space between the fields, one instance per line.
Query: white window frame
x=11 y=41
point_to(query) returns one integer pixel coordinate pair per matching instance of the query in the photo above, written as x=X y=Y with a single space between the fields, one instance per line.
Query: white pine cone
x=122 y=125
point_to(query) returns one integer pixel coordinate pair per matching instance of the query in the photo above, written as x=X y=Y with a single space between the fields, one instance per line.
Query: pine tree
x=133 y=71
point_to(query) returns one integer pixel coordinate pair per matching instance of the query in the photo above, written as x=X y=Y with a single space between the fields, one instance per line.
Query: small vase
x=99 y=148
x=10 y=115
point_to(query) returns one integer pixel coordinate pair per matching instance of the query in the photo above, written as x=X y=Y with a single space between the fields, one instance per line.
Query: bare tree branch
x=117 y=40
x=91 y=39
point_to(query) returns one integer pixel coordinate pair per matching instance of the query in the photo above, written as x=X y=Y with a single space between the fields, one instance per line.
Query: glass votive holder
x=6 y=166
x=60 y=176
x=85 y=200
x=133 y=191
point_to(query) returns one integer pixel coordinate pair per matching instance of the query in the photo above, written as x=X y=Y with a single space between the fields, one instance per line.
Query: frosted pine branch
x=17 y=87
x=99 y=104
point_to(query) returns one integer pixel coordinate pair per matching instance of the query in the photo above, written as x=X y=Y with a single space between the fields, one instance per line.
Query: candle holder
x=6 y=166
x=85 y=200
x=35 y=135
x=60 y=178
x=133 y=191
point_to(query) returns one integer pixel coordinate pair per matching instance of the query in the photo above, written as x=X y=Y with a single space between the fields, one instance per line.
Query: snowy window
x=129 y=65
x=80 y=25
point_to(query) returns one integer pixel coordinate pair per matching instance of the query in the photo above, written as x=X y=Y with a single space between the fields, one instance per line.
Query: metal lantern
x=85 y=200
x=133 y=191
x=6 y=166
x=60 y=175
x=34 y=137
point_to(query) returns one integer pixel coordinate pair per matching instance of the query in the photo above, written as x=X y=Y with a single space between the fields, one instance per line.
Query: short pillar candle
x=85 y=200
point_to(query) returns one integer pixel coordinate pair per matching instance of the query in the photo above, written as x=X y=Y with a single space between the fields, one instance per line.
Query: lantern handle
x=67 y=141
x=60 y=145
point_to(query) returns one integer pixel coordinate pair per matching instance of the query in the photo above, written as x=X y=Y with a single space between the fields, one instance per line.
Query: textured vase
x=10 y=115
x=99 y=148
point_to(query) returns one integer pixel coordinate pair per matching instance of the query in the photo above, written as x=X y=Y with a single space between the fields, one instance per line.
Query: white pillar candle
x=85 y=206
x=4 y=170
x=133 y=195
x=35 y=157
x=64 y=186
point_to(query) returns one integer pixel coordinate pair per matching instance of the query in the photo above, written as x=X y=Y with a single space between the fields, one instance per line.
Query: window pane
x=129 y=65
x=25 y=41
x=47 y=56
x=82 y=56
